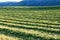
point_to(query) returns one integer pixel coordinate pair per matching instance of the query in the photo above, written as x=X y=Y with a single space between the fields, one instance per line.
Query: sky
x=10 y=0
x=30 y=2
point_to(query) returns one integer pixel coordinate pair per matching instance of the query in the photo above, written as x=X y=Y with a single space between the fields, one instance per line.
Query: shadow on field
x=32 y=8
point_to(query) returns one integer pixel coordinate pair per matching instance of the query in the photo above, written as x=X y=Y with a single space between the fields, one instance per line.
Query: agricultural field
x=29 y=23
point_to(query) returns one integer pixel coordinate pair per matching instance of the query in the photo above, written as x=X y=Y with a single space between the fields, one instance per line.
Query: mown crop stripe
x=25 y=30
x=49 y=30
x=33 y=24
x=30 y=23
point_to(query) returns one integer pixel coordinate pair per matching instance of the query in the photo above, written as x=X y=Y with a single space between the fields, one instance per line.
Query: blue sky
x=30 y=2
x=10 y=0
x=27 y=0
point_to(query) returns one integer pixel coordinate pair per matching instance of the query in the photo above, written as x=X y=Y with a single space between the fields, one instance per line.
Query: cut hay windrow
x=43 y=24
x=4 y=37
x=52 y=30
x=29 y=23
x=32 y=32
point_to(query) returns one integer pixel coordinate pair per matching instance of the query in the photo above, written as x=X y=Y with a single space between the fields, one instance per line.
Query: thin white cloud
x=10 y=0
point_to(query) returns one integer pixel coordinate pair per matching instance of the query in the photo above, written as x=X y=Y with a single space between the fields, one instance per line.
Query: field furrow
x=40 y=28
x=31 y=33
x=29 y=24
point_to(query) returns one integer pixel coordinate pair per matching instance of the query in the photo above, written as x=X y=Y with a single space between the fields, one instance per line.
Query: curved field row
x=36 y=28
x=33 y=33
x=29 y=24
x=43 y=24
